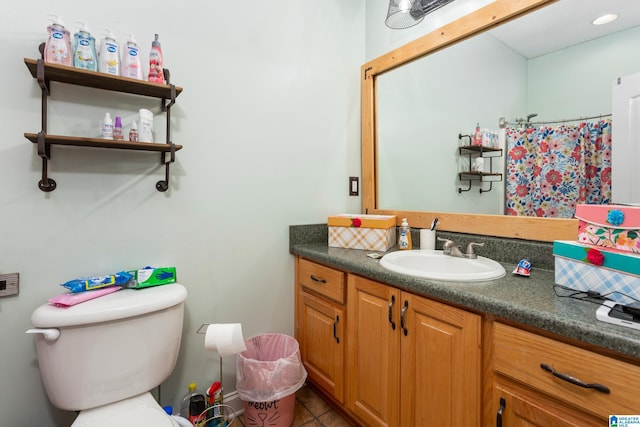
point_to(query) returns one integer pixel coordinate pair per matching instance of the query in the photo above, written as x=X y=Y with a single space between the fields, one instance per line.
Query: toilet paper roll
x=225 y=338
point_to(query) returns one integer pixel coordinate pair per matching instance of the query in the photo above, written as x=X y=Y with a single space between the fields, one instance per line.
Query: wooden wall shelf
x=44 y=73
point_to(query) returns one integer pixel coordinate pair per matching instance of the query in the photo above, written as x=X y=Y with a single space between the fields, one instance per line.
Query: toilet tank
x=110 y=348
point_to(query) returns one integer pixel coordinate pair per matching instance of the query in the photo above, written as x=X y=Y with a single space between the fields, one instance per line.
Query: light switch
x=9 y=284
x=354 y=186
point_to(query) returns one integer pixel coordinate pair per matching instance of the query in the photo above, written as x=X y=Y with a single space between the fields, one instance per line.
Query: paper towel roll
x=225 y=338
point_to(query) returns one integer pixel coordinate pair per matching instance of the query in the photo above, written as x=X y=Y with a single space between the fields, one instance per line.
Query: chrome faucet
x=449 y=248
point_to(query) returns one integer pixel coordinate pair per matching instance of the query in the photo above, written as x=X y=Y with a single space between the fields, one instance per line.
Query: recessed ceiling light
x=605 y=19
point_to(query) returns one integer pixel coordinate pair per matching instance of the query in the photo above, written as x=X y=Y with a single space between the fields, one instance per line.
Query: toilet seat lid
x=145 y=416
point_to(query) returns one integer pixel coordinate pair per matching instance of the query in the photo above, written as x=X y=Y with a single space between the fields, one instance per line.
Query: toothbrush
x=434 y=223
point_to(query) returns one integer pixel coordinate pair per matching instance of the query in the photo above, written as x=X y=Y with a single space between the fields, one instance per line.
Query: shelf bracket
x=167 y=79
x=486 y=191
x=161 y=185
x=460 y=190
x=46 y=184
x=42 y=81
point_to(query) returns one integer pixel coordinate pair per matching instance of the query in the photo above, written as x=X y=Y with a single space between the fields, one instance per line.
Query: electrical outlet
x=354 y=185
x=9 y=284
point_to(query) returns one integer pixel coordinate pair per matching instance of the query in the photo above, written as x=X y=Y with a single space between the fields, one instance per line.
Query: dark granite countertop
x=527 y=300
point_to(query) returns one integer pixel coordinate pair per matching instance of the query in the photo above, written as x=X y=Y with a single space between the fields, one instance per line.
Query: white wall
x=423 y=107
x=270 y=124
x=578 y=81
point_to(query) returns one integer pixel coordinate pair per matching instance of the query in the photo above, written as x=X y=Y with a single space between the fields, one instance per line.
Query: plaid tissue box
x=369 y=232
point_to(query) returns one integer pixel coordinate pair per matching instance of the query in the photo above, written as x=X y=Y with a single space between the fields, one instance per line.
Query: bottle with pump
x=404 y=240
x=131 y=65
x=84 y=49
x=156 y=75
x=109 y=62
x=57 y=49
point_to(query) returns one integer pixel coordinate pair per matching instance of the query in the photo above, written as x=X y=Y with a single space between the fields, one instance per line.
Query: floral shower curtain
x=551 y=169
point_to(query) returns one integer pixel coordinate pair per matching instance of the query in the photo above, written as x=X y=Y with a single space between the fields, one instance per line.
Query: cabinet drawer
x=323 y=280
x=519 y=355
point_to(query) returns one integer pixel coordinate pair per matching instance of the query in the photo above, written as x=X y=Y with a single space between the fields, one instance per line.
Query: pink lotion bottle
x=477 y=136
x=156 y=75
x=57 y=49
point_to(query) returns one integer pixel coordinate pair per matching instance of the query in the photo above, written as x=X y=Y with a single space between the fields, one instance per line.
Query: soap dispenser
x=84 y=52
x=57 y=49
x=404 y=240
x=109 y=62
x=131 y=66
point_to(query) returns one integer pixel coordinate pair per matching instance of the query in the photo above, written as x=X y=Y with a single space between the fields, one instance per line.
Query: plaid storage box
x=583 y=267
x=369 y=232
x=612 y=227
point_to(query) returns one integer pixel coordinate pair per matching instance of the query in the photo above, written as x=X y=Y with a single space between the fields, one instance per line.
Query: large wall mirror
x=493 y=63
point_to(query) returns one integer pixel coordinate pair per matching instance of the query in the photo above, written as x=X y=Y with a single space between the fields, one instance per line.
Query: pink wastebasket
x=268 y=374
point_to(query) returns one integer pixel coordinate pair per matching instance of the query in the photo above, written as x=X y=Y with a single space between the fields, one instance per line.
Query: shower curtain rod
x=503 y=121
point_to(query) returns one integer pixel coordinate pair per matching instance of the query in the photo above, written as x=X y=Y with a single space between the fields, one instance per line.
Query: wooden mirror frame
x=527 y=228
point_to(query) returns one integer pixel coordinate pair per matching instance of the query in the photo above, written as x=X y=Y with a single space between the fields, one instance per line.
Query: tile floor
x=312 y=411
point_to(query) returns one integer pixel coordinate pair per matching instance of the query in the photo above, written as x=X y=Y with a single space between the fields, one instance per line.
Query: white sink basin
x=437 y=266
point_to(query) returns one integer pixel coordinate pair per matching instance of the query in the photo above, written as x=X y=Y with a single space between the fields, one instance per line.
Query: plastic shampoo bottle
x=84 y=49
x=109 y=57
x=57 y=49
x=156 y=75
x=131 y=65
x=107 y=126
x=186 y=400
x=404 y=240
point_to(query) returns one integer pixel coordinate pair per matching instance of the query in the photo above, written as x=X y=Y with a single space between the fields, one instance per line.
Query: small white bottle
x=133 y=133
x=109 y=62
x=131 y=65
x=107 y=127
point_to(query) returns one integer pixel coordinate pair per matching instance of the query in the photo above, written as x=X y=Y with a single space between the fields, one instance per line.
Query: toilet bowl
x=102 y=357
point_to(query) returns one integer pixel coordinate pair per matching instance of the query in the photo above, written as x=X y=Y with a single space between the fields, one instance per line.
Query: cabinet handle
x=393 y=301
x=335 y=329
x=503 y=404
x=573 y=380
x=315 y=279
x=402 y=317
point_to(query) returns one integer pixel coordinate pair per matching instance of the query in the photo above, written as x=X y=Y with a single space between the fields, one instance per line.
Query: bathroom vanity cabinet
x=389 y=357
x=397 y=344
x=320 y=296
x=412 y=361
x=586 y=388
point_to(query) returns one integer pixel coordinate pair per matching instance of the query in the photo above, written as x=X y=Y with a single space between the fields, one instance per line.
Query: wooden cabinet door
x=321 y=339
x=441 y=364
x=516 y=407
x=373 y=352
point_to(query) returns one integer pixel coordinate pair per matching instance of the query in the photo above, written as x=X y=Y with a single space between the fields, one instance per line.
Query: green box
x=146 y=277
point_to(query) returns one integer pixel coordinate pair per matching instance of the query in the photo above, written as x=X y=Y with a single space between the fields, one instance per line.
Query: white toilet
x=102 y=357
